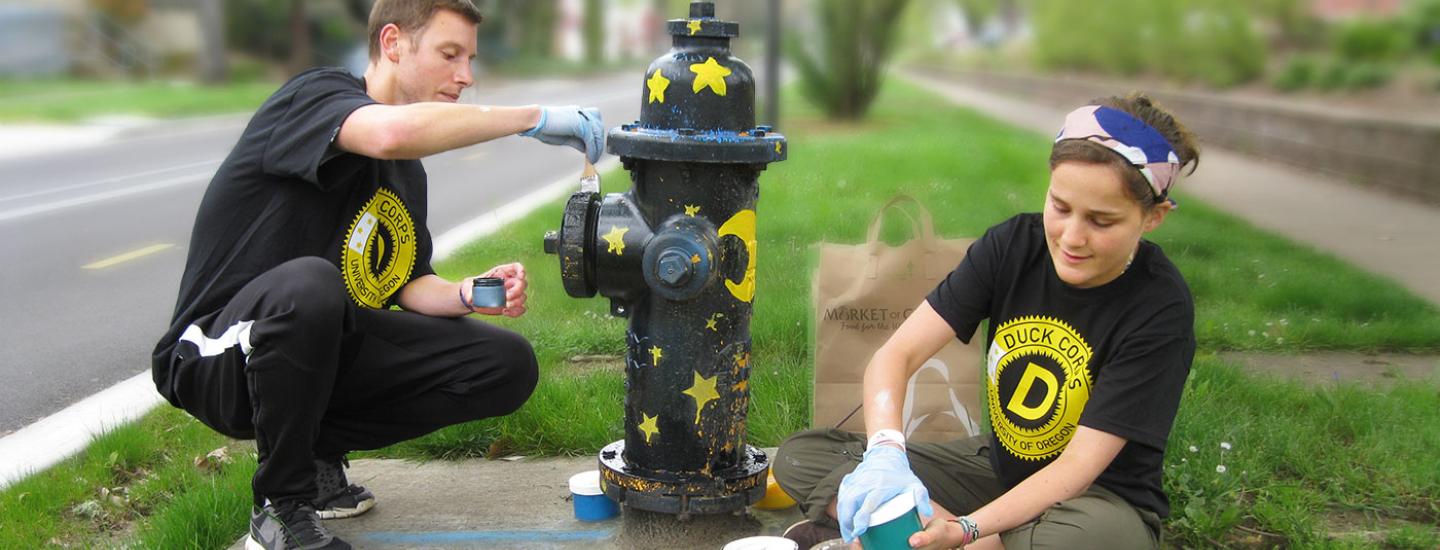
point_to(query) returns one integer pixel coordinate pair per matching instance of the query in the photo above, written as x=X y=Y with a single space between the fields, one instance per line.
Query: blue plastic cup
x=589 y=499
x=892 y=524
x=488 y=292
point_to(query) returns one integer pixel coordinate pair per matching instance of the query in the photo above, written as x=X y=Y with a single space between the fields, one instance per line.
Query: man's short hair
x=411 y=16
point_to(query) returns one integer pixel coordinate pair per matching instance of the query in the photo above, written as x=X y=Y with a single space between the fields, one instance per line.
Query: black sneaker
x=337 y=498
x=809 y=535
x=290 y=525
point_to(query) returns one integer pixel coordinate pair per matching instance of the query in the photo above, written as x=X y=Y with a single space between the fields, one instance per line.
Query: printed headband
x=1140 y=144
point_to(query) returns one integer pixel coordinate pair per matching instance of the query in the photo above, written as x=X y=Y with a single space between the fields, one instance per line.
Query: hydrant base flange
x=665 y=492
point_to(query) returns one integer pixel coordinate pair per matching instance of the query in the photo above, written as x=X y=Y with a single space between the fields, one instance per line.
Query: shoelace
x=299 y=519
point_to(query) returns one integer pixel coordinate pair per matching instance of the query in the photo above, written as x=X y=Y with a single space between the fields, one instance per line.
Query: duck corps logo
x=1039 y=380
x=379 y=251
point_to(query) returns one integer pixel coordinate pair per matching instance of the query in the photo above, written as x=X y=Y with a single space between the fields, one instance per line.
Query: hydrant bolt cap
x=673 y=267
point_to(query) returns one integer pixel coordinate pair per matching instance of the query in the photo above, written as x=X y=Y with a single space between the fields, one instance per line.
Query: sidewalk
x=1376 y=232
x=520 y=505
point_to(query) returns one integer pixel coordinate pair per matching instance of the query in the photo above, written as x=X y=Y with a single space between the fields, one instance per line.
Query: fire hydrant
x=676 y=255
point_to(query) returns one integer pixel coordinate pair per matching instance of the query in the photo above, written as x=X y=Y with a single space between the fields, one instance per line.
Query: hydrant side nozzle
x=552 y=242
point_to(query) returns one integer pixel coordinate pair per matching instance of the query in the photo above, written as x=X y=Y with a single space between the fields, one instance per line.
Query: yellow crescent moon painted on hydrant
x=742 y=225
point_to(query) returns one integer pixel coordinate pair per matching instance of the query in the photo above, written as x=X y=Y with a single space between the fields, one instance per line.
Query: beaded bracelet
x=461 y=290
x=968 y=528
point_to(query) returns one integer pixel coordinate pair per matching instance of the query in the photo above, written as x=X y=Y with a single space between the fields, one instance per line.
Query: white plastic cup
x=762 y=543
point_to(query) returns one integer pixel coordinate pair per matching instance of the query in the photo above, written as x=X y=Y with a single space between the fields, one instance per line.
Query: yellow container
x=775 y=498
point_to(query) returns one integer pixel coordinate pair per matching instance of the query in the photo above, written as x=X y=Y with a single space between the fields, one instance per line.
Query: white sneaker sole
x=342 y=513
x=252 y=544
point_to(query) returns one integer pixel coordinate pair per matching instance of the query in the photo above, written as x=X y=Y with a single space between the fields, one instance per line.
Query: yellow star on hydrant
x=657 y=85
x=655 y=355
x=648 y=426
x=694 y=27
x=709 y=74
x=710 y=323
x=691 y=210
x=616 y=239
x=703 y=390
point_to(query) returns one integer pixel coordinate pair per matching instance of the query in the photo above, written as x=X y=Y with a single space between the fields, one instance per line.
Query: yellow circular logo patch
x=379 y=251
x=1039 y=380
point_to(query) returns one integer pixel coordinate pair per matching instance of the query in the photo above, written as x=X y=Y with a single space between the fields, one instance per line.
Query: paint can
x=488 y=292
x=892 y=524
x=775 y=497
x=762 y=543
x=589 y=500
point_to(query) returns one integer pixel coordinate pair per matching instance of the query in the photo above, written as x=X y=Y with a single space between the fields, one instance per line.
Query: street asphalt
x=94 y=235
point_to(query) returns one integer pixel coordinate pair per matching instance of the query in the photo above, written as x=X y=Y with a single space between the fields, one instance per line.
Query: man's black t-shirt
x=1113 y=358
x=287 y=191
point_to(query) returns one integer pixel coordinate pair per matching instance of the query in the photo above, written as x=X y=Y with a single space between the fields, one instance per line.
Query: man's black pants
x=293 y=363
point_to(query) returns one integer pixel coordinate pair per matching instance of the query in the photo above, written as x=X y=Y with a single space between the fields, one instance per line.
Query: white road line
x=44 y=443
x=42 y=208
x=131 y=255
x=487 y=223
x=106 y=181
x=55 y=437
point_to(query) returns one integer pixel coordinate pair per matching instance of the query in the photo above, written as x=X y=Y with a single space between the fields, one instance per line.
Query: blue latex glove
x=572 y=126
x=883 y=473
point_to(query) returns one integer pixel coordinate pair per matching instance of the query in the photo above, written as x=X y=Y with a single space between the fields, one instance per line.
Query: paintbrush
x=589 y=179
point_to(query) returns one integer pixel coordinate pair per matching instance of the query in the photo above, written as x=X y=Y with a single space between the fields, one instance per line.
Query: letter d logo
x=1022 y=389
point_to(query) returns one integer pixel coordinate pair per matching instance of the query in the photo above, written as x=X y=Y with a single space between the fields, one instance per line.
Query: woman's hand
x=939 y=534
x=883 y=473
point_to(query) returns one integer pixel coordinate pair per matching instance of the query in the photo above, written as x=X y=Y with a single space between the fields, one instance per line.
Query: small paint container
x=762 y=543
x=775 y=497
x=892 y=524
x=488 y=292
x=590 y=501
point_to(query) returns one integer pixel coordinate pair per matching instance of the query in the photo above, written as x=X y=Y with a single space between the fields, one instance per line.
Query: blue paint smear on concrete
x=452 y=537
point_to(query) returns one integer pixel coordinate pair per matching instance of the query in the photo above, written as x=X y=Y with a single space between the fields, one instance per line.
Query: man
x=311 y=230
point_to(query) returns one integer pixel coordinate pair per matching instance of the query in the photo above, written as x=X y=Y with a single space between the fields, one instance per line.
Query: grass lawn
x=76 y=100
x=1329 y=466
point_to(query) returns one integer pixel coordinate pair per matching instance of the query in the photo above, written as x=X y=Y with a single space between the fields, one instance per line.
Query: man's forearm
x=433 y=296
x=419 y=130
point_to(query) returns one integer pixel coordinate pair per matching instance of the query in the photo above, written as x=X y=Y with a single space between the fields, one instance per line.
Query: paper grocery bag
x=862 y=292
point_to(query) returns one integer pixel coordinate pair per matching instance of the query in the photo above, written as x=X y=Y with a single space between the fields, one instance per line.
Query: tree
x=853 y=43
x=302 y=55
x=213 y=69
x=537 y=27
x=594 y=32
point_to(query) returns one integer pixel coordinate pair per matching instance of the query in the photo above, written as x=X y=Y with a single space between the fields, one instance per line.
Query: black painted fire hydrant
x=676 y=255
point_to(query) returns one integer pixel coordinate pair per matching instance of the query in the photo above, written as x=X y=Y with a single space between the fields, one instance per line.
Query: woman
x=1091 y=332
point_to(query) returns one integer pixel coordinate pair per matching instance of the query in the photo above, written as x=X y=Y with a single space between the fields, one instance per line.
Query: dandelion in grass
x=1220 y=469
x=1225 y=445
x=1194 y=449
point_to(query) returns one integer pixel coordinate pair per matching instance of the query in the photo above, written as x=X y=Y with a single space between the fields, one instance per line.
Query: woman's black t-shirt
x=287 y=191
x=1113 y=358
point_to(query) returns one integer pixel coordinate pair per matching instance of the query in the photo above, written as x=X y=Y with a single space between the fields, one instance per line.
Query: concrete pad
x=522 y=505
x=1373 y=230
